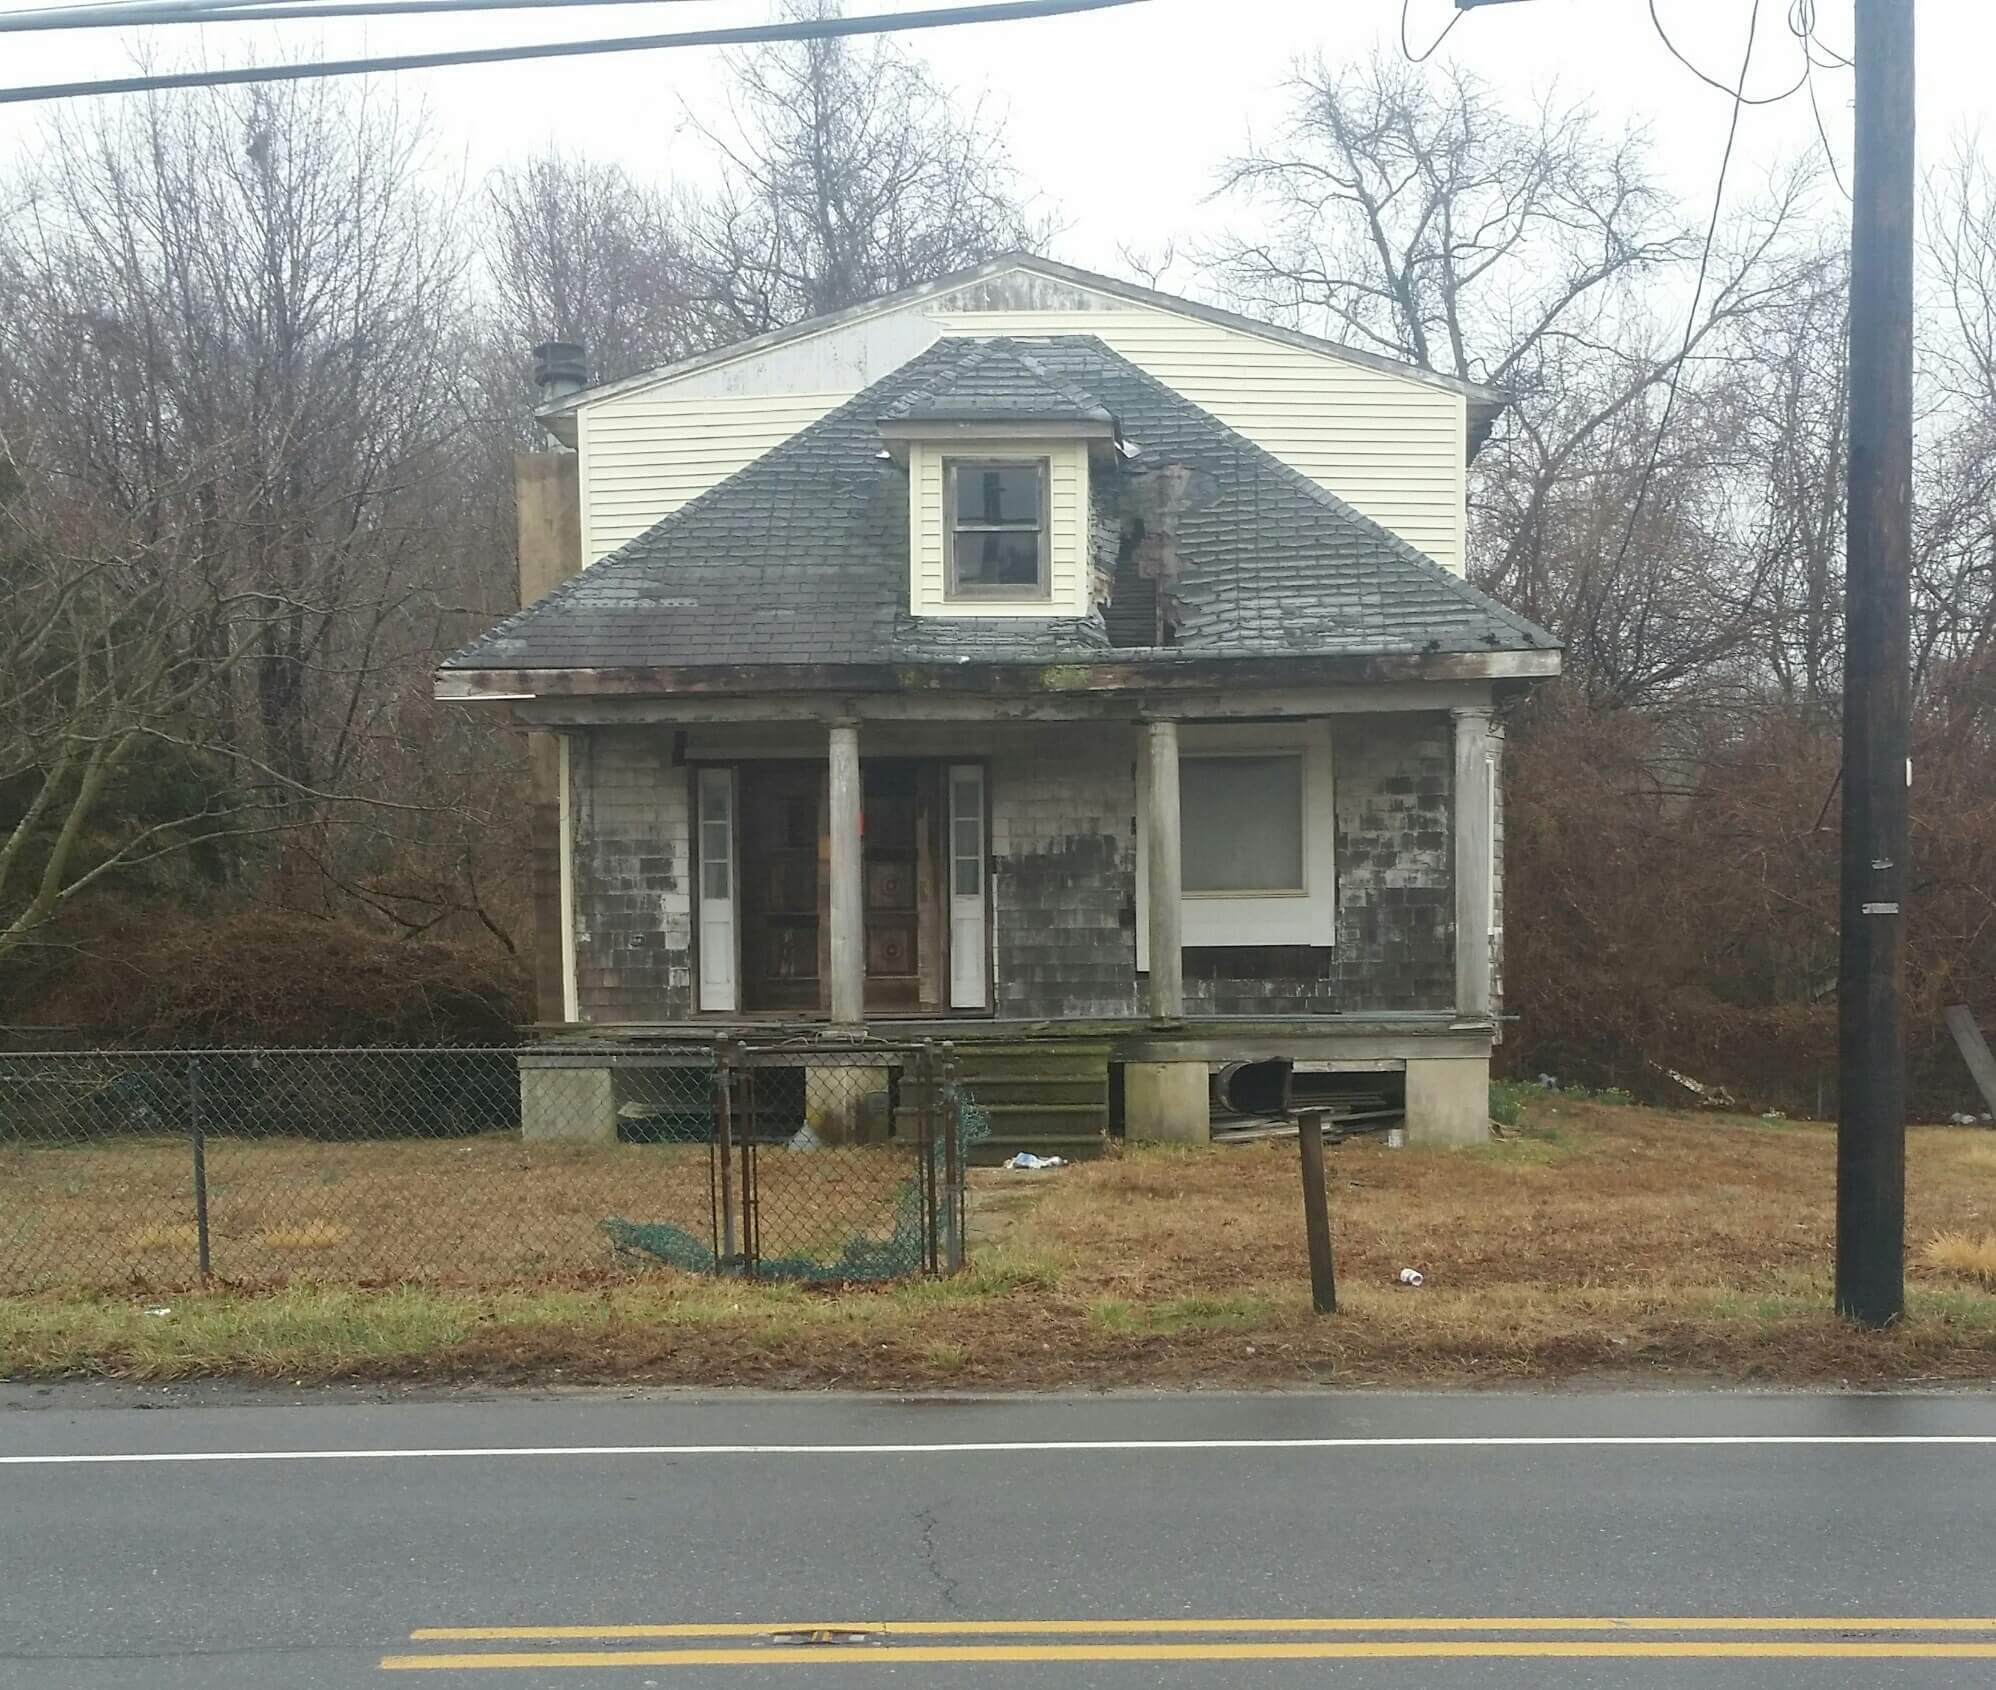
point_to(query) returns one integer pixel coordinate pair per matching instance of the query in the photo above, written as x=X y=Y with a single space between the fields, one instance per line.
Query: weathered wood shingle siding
x=1063 y=886
x=1395 y=949
x=633 y=914
x=1063 y=891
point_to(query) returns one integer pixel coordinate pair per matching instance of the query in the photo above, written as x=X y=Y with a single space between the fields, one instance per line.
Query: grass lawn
x=1595 y=1242
x=488 y=1211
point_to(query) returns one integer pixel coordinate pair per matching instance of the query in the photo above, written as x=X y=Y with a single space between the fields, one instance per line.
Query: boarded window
x=1241 y=820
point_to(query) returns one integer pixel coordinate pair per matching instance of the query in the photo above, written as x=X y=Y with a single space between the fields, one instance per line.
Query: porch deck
x=1048 y=1084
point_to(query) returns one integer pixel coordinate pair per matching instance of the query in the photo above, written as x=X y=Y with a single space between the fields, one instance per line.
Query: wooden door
x=895 y=861
x=780 y=806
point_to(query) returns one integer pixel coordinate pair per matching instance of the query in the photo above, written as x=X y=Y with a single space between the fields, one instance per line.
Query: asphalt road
x=1362 y=1540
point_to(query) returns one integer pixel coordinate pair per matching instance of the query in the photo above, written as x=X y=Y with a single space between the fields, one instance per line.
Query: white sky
x=1120 y=117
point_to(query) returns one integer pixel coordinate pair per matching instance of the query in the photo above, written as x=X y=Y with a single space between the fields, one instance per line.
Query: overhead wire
x=1740 y=103
x=1407 y=47
x=1802 y=25
x=1737 y=95
x=809 y=29
x=107 y=14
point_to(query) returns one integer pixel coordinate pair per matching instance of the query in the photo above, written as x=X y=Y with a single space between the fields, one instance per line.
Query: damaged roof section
x=801 y=558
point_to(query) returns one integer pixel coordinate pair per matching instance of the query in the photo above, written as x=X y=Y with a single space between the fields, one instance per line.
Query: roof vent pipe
x=561 y=367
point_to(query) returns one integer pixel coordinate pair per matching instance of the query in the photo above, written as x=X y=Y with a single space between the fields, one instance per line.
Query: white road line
x=1077 y=1446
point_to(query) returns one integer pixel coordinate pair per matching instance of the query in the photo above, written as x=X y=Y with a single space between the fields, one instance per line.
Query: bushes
x=261 y=978
x=1671 y=903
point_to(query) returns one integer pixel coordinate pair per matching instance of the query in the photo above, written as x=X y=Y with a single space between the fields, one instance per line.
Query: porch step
x=1050 y=1096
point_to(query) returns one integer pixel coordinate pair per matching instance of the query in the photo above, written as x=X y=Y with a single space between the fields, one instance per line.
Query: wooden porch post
x=1167 y=954
x=1473 y=822
x=848 y=914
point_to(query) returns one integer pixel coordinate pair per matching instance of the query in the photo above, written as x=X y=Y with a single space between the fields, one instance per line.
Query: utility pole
x=1871 y=1059
x=1871 y=1050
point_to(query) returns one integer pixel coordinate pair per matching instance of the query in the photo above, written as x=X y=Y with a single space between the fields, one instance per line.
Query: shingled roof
x=998 y=381
x=801 y=557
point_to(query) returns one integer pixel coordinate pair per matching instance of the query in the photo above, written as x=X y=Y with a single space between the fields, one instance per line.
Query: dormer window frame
x=955 y=590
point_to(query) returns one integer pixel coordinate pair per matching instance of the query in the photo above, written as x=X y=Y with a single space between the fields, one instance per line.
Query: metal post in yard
x=1316 y=1211
x=724 y=1104
x=949 y=1113
x=198 y=1133
x=929 y=1083
x=751 y=1197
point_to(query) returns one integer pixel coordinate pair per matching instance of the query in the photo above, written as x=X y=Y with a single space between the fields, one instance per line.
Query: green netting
x=862 y=1259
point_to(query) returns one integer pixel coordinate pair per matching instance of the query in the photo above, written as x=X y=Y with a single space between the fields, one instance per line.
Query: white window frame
x=1307 y=916
x=969 y=931
x=716 y=807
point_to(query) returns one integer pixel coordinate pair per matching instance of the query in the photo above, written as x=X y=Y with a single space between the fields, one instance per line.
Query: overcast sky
x=1123 y=116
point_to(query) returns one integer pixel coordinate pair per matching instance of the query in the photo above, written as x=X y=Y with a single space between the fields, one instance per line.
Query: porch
x=1096 y=902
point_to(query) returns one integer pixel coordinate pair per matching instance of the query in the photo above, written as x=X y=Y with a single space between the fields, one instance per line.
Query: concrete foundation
x=567 y=1105
x=1165 y=1103
x=1448 y=1100
x=847 y=1103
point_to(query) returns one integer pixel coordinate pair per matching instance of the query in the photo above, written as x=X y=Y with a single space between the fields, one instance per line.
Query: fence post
x=950 y=1113
x=724 y=1107
x=1316 y=1210
x=197 y=1131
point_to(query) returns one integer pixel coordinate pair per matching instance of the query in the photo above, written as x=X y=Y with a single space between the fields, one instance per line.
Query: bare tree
x=578 y=251
x=848 y=173
x=1406 y=211
x=234 y=324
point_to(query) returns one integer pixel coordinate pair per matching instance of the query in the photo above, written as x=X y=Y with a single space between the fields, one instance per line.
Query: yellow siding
x=1390 y=446
x=1067 y=497
x=644 y=454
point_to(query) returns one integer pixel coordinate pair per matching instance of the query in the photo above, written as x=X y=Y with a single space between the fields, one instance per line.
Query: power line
x=1740 y=103
x=1737 y=95
x=1407 y=47
x=107 y=14
x=1802 y=25
x=813 y=29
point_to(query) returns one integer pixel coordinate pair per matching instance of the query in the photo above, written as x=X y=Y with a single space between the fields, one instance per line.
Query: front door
x=782 y=809
x=784 y=847
x=899 y=862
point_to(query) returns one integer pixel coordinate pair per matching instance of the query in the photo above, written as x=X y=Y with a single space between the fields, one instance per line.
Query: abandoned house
x=1032 y=660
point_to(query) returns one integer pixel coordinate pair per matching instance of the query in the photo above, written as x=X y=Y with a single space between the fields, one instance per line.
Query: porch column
x=848 y=939
x=1167 y=952
x=1472 y=864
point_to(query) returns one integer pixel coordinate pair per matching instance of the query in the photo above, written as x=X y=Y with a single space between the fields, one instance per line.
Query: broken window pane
x=1241 y=823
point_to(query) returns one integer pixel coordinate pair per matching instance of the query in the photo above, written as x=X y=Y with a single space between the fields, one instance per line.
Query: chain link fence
x=570 y=1163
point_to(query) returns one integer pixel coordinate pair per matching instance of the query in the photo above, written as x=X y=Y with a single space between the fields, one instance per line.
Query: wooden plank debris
x=1974 y=1050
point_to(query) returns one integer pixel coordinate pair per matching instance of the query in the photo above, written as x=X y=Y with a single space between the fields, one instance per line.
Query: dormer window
x=998 y=528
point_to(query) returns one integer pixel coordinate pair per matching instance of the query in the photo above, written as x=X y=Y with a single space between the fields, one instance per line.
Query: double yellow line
x=898 y=1642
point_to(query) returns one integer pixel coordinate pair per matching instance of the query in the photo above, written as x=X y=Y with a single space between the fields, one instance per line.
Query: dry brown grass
x=1599 y=1243
x=1963 y=1257
x=483 y=1211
